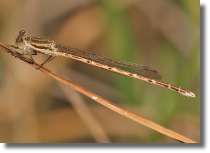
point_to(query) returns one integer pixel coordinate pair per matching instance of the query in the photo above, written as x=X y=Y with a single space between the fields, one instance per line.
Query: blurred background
x=161 y=34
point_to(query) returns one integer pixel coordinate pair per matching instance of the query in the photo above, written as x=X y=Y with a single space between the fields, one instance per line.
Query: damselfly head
x=23 y=33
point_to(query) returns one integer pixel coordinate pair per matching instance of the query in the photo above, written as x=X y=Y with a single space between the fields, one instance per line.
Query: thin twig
x=100 y=100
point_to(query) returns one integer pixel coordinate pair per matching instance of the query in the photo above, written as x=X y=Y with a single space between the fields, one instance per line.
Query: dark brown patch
x=130 y=74
x=174 y=88
x=88 y=61
x=166 y=86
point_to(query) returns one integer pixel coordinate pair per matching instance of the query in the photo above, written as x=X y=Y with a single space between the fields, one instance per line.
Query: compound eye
x=19 y=39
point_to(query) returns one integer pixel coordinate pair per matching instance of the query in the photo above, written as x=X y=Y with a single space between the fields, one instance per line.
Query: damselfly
x=32 y=46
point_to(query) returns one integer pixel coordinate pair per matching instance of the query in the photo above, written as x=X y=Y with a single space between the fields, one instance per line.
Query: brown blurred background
x=162 y=34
